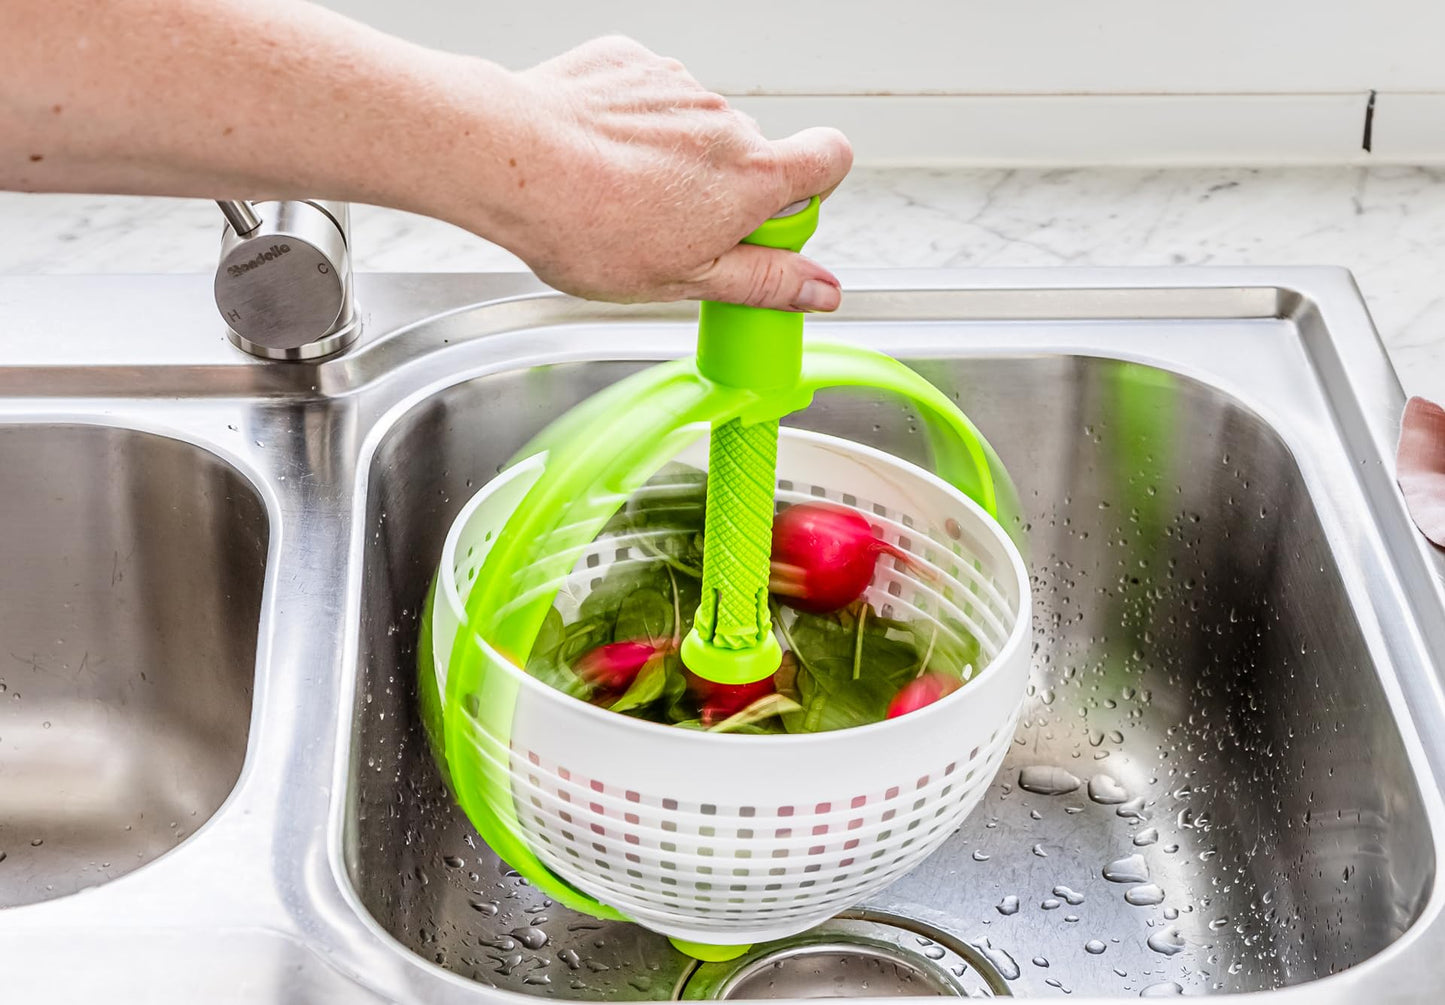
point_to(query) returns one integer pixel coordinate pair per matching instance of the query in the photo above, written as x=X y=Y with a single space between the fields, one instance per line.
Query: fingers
x=767 y=277
x=813 y=161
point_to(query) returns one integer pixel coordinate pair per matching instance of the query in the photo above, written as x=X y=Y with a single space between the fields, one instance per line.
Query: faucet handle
x=284 y=280
x=240 y=214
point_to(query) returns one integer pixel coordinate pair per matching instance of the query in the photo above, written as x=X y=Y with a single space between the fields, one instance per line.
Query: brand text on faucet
x=275 y=251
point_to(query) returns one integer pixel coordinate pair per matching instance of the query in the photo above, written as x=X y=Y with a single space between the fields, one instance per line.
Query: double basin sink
x=213 y=780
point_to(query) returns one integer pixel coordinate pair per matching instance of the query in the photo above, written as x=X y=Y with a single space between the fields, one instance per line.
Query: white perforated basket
x=729 y=839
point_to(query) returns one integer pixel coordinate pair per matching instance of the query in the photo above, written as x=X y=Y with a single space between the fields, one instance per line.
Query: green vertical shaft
x=758 y=350
x=735 y=561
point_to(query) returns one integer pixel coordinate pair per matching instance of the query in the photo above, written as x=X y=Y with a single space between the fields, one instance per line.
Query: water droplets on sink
x=1130 y=869
x=530 y=937
x=1107 y=791
x=1132 y=809
x=1073 y=897
x=999 y=959
x=1147 y=895
x=1163 y=989
x=1047 y=780
x=1167 y=941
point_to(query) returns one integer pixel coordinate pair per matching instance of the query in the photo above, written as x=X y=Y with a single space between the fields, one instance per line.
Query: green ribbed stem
x=742 y=461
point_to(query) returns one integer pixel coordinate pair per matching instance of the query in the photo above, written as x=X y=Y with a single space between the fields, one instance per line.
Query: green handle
x=755 y=348
x=759 y=350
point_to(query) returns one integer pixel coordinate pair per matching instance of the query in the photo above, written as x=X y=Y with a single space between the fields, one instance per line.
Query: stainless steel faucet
x=283 y=284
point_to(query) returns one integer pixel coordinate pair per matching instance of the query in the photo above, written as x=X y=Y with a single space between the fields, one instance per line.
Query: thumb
x=767 y=277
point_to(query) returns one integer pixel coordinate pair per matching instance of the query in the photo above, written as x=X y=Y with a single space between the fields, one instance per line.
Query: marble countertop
x=1387 y=225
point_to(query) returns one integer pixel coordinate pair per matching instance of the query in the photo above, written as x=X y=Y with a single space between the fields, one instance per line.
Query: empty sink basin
x=132 y=569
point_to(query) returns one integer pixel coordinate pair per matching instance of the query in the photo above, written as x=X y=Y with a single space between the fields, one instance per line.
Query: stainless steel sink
x=132 y=567
x=1226 y=780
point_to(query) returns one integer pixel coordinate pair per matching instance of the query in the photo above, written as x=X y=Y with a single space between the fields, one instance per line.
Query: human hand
x=629 y=181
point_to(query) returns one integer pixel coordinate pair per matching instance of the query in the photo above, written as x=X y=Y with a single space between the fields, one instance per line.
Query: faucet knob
x=283 y=284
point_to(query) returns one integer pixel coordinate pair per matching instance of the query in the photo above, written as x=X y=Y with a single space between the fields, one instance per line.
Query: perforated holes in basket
x=978 y=599
x=814 y=854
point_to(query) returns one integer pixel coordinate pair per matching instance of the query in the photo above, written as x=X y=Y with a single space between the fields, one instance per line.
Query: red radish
x=717 y=702
x=614 y=666
x=921 y=691
x=823 y=556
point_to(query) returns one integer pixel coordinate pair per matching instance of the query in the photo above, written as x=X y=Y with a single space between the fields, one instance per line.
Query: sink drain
x=833 y=971
x=858 y=955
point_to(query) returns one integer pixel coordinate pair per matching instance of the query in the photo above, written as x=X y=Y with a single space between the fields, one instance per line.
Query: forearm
x=256 y=99
x=609 y=170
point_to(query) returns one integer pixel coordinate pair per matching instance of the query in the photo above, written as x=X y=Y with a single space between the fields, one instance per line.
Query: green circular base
x=731 y=666
x=706 y=953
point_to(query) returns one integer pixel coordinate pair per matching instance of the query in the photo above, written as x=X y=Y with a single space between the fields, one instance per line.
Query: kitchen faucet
x=283 y=284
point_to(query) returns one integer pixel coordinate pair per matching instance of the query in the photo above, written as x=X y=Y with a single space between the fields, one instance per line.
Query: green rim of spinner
x=751 y=368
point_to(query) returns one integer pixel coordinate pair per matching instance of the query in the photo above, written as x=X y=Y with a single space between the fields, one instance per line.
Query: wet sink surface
x=1182 y=803
x=133 y=567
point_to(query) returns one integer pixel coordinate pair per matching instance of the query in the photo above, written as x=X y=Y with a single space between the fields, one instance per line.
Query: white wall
x=1021 y=81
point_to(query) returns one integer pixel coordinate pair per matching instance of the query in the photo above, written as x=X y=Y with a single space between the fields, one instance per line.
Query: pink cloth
x=1420 y=466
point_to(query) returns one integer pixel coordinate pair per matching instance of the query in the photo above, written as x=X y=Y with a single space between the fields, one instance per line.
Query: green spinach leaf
x=644 y=615
x=751 y=719
x=646 y=687
x=830 y=695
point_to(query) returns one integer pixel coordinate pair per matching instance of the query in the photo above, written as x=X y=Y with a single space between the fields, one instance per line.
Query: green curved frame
x=596 y=456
